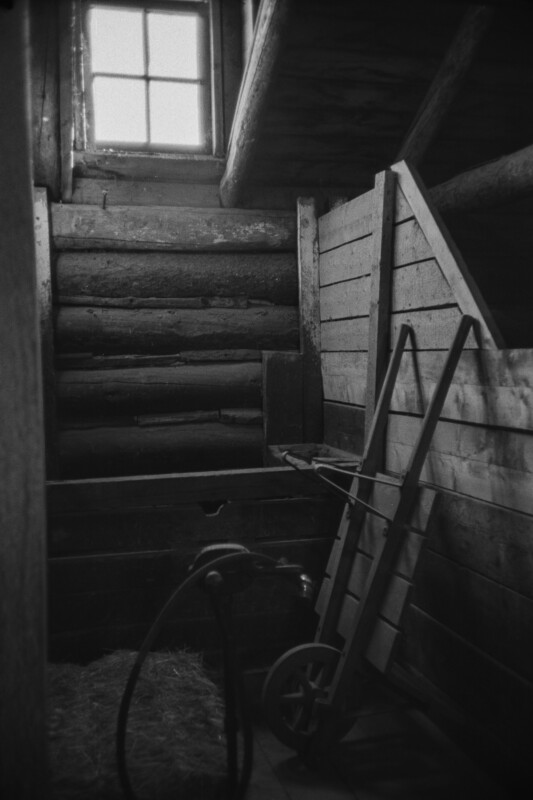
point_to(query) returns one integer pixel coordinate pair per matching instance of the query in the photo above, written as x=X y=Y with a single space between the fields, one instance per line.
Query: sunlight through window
x=148 y=77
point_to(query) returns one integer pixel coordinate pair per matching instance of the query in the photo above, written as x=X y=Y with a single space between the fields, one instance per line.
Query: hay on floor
x=174 y=744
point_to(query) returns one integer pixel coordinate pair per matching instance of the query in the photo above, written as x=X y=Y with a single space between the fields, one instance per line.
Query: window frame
x=211 y=107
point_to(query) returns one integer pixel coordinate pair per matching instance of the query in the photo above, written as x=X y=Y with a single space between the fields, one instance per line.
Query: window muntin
x=149 y=76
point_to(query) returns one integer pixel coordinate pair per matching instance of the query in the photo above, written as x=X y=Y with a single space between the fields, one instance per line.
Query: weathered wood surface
x=507 y=178
x=66 y=87
x=90 y=191
x=283 y=399
x=433 y=330
x=488 y=464
x=170 y=490
x=163 y=528
x=43 y=268
x=450 y=261
x=86 y=361
x=410 y=244
x=497 y=620
x=309 y=311
x=350 y=298
x=271 y=276
x=128 y=166
x=380 y=292
x=106 y=451
x=270 y=30
x=351 y=260
x=488 y=388
x=164 y=228
x=344 y=427
x=116 y=330
x=353 y=220
x=446 y=84
x=44 y=87
x=494 y=696
x=23 y=628
x=493 y=541
x=178 y=388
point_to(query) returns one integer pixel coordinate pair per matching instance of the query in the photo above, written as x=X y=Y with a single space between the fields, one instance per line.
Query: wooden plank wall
x=466 y=633
x=162 y=315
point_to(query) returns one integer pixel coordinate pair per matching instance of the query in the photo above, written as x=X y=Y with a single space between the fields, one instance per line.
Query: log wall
x=465 y=641
x=161 y=318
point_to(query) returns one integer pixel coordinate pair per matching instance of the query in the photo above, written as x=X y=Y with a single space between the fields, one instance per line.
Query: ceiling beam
x=270 y=28
x=445 y=84
x=507 y=178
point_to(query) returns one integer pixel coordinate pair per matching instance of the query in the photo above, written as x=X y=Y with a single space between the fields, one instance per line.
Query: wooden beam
x=508 y=178
x=120 y=495
x=270 y=27
x=66 y=86
x=309 y=288
x=380 y=289
x=166 y=228
x=445 y=84
x=23 y=772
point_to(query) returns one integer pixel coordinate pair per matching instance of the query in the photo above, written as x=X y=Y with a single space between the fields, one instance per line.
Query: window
x=147 y=75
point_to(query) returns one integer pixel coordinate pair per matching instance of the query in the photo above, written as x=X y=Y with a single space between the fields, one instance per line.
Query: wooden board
x=350 y=334
x=344 y=377
x=268 y=276
x=170 y=490
x=344 y=427
x=23 y=628
x=116 y=330
x=164 y=228
x=352 y=220
x=282 y=398
x=347 y=261
x=350 y=298
x=418 y=286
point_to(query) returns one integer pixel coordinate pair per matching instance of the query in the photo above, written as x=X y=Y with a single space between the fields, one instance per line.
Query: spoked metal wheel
x=295 y=682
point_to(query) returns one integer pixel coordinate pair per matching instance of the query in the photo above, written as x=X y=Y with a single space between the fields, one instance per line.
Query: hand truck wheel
x=294 y=683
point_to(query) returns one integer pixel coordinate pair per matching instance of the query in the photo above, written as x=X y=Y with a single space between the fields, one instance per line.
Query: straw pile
x=175 y=745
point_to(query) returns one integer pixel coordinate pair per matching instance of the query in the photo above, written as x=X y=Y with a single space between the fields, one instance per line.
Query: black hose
x=122 y=719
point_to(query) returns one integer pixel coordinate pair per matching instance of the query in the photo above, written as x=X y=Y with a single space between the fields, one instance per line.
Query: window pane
x=173 y=45
x=116 y=41
x=119 y=110
x=175 y=113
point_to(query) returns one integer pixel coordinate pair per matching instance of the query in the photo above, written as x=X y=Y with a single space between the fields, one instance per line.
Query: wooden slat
x=380 y=289
x=353 y=220
x=150 y=491
x=136 y=166
x=90 y=191
x=309 y=299
x=490 y=465
x=23 y=631
x=151 y=389
x=346 y=334
x=270 y=29
x=282 y=398
x=495 y=619
x=410 y=244
x=164 y=228
x=117 y=330
x=267 y=276
x=490 y=388
x=433 y=329
x=466 y=292
x=348 y=261
x=344 y=377
x=44 y=294
x=474 y=535
x=347 y=299
x=420 y=285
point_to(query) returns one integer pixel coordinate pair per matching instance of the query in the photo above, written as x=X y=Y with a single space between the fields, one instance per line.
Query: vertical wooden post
x=22 y=483
x=66 y=85
x=309 y=289
x=380 y=289
x=44 y=299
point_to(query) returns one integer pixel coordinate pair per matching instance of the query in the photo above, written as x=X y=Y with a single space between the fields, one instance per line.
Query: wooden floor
x=387 y=756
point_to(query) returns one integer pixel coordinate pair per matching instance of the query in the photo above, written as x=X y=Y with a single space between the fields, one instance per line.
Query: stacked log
x=158 y=349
